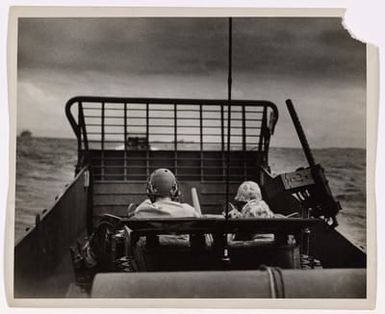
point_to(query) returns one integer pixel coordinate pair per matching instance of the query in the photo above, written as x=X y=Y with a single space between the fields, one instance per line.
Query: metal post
x=125 y=127
x=229 y=81
x=148 y=140
x=244 y=142
x=102 y=143
x=175 y=141
x=125 y=141
x=201 y=141
x=223 y=141
x=83 y=126
x=79 y=137
x=262 y=132
x=225 y=257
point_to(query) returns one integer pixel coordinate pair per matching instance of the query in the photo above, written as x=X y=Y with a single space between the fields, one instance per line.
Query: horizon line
x=272 y=146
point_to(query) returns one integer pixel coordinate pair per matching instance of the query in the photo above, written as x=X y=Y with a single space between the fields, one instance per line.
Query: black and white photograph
x=205 y=157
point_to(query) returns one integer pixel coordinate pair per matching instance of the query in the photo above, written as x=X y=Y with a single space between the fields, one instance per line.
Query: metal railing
x=106 y=124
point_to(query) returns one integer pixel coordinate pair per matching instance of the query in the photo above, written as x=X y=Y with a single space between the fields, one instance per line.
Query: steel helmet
x=248 y=190
x=162 y=182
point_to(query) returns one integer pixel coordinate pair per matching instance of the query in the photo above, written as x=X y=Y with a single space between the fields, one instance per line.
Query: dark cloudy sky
x=314 y=61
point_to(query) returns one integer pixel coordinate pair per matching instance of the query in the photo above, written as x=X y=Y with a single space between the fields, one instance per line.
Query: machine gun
x=306 y=188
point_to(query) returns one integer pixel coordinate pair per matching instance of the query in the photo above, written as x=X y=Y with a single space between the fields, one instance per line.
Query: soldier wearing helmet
x=163 y=193
x=249 y=199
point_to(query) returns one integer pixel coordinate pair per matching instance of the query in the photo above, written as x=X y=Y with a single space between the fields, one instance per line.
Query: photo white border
x=372 y=115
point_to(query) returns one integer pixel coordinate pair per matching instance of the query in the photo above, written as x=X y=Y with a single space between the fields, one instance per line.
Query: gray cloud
x=312 y=60
x=185 y=45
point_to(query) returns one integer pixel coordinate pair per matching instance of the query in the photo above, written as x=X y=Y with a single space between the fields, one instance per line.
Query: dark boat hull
x=43 y=267
x=42 y=261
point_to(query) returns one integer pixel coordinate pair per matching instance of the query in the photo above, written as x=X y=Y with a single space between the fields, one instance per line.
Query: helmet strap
x=174 y=193
x=150 y=192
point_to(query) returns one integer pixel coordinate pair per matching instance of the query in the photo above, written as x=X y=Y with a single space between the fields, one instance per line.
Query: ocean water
x=45 y=165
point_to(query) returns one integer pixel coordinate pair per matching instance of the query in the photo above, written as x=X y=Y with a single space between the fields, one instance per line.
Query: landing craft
x=228 y=144
x=306 y=258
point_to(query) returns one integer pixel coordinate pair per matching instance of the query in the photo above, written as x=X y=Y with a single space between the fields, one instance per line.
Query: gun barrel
x=301 y=133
